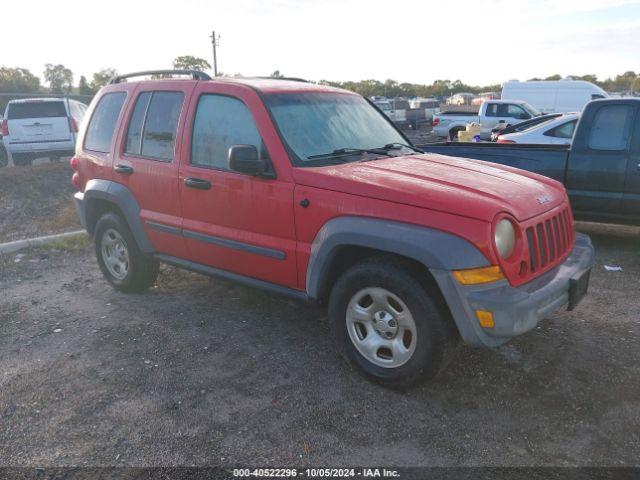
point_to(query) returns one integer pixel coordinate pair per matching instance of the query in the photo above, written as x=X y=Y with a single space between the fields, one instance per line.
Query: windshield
x=314 y=124
x=532 y=110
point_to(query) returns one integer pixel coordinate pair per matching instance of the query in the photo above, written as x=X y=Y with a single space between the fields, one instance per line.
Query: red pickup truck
x=310 y=191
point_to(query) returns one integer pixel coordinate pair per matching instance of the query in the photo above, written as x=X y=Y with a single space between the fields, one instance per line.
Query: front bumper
x=515 y=309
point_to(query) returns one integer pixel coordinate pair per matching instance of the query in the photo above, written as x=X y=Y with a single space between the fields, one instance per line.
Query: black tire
x=141 y=270
x=436 y=334
x=453 y=133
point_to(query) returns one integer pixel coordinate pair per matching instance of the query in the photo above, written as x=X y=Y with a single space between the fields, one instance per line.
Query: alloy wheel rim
x=115 y=253
x=381 y=327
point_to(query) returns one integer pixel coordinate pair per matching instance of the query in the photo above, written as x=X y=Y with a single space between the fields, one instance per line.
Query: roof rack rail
x=195 y=74
x=291 y=79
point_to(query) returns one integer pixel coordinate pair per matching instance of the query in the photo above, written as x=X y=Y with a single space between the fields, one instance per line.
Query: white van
x=557 y=96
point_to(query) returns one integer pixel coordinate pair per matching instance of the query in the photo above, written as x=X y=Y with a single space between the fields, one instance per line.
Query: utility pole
x=214 y=42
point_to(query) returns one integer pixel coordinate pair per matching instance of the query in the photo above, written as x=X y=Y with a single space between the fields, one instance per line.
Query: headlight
x=505 y=238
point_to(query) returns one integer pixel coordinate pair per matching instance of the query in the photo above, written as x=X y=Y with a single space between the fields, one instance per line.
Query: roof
x=37 y=99
x=275 y=85
x=262 y=84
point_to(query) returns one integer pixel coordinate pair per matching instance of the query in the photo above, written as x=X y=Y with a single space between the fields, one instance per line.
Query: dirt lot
x=36 y=201
x=202 y=372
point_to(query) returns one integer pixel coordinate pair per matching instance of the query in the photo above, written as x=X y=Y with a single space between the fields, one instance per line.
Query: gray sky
x=407 y=40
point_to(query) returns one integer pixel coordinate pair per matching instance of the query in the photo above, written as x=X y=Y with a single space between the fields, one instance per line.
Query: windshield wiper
x=341 y=152
x=397 y=145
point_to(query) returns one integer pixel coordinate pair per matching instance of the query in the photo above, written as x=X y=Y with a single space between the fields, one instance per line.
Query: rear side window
x=220 y=123
x=611 y=128
x=19 y=111
x=562 y=131
x=153 y=126
x=134 y=135
x=103 y=122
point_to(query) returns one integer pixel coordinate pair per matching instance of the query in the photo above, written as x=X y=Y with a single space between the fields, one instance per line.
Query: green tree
x=59 y=77
x=276 y=74
x=557 y=76
x=18 y=80
x=189 y=62
x=83 y=86
x=102 y=77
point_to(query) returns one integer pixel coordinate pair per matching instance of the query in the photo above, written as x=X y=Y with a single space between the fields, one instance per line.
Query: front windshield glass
x=531 y=109
x=320 y=123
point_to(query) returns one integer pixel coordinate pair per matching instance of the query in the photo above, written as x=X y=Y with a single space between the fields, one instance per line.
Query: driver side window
x=221 y=122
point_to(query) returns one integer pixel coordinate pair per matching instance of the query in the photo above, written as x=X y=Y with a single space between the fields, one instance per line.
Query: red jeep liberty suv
x=311 y=191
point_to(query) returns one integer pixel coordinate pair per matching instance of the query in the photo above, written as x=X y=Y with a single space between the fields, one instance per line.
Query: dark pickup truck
x=601 y=169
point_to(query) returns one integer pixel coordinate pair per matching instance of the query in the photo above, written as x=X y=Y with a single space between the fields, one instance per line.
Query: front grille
x=549 y=240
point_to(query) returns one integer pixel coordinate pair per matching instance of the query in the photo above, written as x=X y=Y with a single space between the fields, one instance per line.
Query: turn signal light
x=5 y=128
x=474 y=276
x=74 y=163
x=485 y=318
x=435 y=122
x=75 y=180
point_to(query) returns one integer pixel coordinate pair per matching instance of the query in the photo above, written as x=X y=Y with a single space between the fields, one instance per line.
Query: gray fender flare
x=122 y=197
x=433 y=248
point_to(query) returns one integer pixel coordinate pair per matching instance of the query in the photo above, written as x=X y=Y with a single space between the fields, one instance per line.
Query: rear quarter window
x=611 y=128
x=103 y=122
x=19 y=111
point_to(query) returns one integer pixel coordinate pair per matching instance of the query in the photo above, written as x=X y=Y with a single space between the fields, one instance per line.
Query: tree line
x=60 y=80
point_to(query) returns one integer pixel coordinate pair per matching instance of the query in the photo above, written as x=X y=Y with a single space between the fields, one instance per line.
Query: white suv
x=41 y=127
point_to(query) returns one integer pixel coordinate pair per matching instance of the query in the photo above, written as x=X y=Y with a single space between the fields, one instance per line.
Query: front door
x=233 y=221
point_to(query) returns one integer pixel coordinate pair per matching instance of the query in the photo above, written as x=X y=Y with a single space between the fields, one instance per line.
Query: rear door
x=146 y=160
x=38 y=121
x=599 y=158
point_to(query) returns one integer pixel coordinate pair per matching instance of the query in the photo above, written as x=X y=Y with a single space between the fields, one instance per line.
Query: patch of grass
x=73 y=243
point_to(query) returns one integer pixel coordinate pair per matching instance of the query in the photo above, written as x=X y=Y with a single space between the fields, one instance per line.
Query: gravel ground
x=202 y=372
x=36 y=201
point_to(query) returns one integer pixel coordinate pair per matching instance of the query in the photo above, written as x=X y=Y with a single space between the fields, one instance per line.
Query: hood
x=470 y=188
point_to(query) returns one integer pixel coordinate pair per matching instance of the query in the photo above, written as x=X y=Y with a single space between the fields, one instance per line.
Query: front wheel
x=390 y=324
x=122 y=263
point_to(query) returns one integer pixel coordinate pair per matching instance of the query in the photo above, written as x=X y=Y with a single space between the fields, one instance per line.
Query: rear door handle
x=198 y=183
x=124 y=169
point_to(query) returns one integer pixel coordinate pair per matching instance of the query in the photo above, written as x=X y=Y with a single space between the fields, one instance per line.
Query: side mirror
x=245 y=159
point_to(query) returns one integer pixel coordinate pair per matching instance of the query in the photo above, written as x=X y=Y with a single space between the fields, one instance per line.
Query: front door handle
x=124 y=169
x=198 y=183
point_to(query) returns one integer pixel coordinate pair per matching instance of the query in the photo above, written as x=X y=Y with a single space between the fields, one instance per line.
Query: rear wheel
x=121 y=261
x=453 y=133
x=389 y=324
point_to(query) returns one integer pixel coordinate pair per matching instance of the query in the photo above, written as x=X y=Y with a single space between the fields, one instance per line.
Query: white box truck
x=553 y=96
